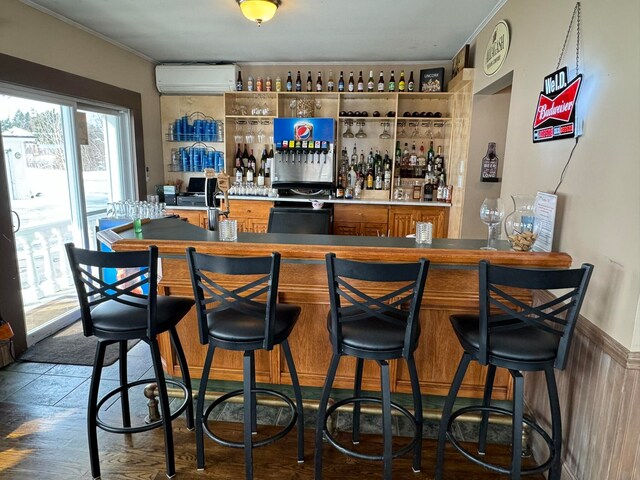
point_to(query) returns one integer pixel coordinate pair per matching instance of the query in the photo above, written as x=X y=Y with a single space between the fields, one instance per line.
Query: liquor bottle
x=430 y=154
x=330 y=82
x=490 y=162
x=239 y=82
x=353 y=177
x=250 y=84
x=278 y=84
x=370 y=179
x=398 y=156
x=413 y=157
x=239 y=167
x=238 y=154
x=354 y=155
x=261 y=173
x=381 y=82
x=438 y=162
x=267 y=84
x=370 y=82
x=392 y=82
x=298 y=82
x=360 y=83
x=250 y=167
x=402 y=84
x=259 y=84
x=442 y=188
x=319 y=83
x=351 y=84
x=267 y=168
x=309 y=82
x=289 y=86
x=387 y=171
x=428 y=185
x=411 y=84
x=245 y=157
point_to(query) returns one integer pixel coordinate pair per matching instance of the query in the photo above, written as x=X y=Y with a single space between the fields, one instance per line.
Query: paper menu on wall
x=546 y=204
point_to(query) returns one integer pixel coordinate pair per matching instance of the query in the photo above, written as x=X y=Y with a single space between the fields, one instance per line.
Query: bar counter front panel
x=452 y=287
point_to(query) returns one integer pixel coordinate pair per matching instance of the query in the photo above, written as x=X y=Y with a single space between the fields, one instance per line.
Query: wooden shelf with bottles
x=391 y=107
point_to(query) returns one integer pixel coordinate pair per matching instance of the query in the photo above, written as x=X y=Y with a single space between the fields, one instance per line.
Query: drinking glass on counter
x=228 y=230
x=424 y=232
x=491 y=213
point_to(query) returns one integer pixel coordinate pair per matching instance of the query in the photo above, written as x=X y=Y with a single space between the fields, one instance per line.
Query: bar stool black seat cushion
x=231 y=325
x=372 y=333
x=524 y=344
x=116 y=317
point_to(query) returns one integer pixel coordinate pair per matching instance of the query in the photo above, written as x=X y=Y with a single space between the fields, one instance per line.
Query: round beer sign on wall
x=497 y=49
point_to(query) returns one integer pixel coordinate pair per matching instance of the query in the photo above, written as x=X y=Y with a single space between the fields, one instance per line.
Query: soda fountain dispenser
x=304 y=155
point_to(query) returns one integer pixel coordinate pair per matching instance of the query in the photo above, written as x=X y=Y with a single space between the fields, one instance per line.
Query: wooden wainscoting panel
x=598 y=398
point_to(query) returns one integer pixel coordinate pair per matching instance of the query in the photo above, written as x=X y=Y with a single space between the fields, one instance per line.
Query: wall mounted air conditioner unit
x=196 y=79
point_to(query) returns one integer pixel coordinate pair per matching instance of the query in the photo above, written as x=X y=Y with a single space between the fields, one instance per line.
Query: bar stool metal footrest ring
x=546 y=465
x=149 y=426
x=352 y=453
x=261 y=443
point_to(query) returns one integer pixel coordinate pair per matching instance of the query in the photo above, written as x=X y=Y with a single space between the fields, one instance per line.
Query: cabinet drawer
x=360 y=213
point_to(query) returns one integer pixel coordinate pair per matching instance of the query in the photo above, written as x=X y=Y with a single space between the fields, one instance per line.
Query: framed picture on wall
x=432 y=80
x=460 y=61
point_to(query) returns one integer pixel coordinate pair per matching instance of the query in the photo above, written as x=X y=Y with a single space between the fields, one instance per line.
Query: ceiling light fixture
x=259 y=10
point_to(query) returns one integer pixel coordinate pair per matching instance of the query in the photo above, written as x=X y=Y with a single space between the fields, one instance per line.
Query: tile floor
x=67 y=386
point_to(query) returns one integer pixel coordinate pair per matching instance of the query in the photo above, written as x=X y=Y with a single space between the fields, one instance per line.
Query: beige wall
x=599 y=212
x=32 y=35
x=489 y=122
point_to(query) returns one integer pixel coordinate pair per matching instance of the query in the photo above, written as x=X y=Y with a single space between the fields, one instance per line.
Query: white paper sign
x=546 y=204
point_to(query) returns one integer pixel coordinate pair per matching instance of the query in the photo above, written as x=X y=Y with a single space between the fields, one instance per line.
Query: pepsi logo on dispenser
x=303 y=131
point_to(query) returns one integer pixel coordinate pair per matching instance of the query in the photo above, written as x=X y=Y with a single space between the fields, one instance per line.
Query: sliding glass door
x=64 y=162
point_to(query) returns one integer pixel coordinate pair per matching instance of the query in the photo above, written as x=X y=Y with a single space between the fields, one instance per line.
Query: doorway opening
x=489 y=123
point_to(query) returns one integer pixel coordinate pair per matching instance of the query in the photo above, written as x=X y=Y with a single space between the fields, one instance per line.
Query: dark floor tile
x=45 y=390
x=82 y=371
x=11 y=382
x=29 y=367
x=79 y=397
x=136 y=367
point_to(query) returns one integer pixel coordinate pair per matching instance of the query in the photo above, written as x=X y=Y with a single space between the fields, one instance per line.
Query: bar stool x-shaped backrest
x=501 y=311
x=213 y=297
x=140 y=272
x=400 y=306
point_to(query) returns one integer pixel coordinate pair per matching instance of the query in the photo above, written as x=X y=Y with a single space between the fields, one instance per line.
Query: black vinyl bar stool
x=234 y=317
x=116 y=311
x=379 y=328
x=511 y=334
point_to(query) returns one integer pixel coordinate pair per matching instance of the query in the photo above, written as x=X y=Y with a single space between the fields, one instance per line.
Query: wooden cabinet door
x=373 y=229
x=401 y=221
x=438 y=217
x=346 y=228
x=257 y=225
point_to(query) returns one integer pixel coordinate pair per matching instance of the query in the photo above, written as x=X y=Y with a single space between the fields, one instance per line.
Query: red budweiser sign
x=555 y=112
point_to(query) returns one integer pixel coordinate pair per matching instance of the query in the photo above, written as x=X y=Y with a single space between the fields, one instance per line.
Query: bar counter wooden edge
x=452 y=287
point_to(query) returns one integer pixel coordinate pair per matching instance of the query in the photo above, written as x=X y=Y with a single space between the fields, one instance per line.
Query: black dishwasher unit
x=300 y=217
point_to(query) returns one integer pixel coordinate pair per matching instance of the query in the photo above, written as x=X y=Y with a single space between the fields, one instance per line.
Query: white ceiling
x=302 y=31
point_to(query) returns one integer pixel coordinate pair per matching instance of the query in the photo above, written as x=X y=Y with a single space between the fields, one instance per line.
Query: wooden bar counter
x=452 y=287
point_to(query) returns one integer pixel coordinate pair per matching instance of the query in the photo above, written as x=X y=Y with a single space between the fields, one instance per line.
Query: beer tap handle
x=223 y=186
